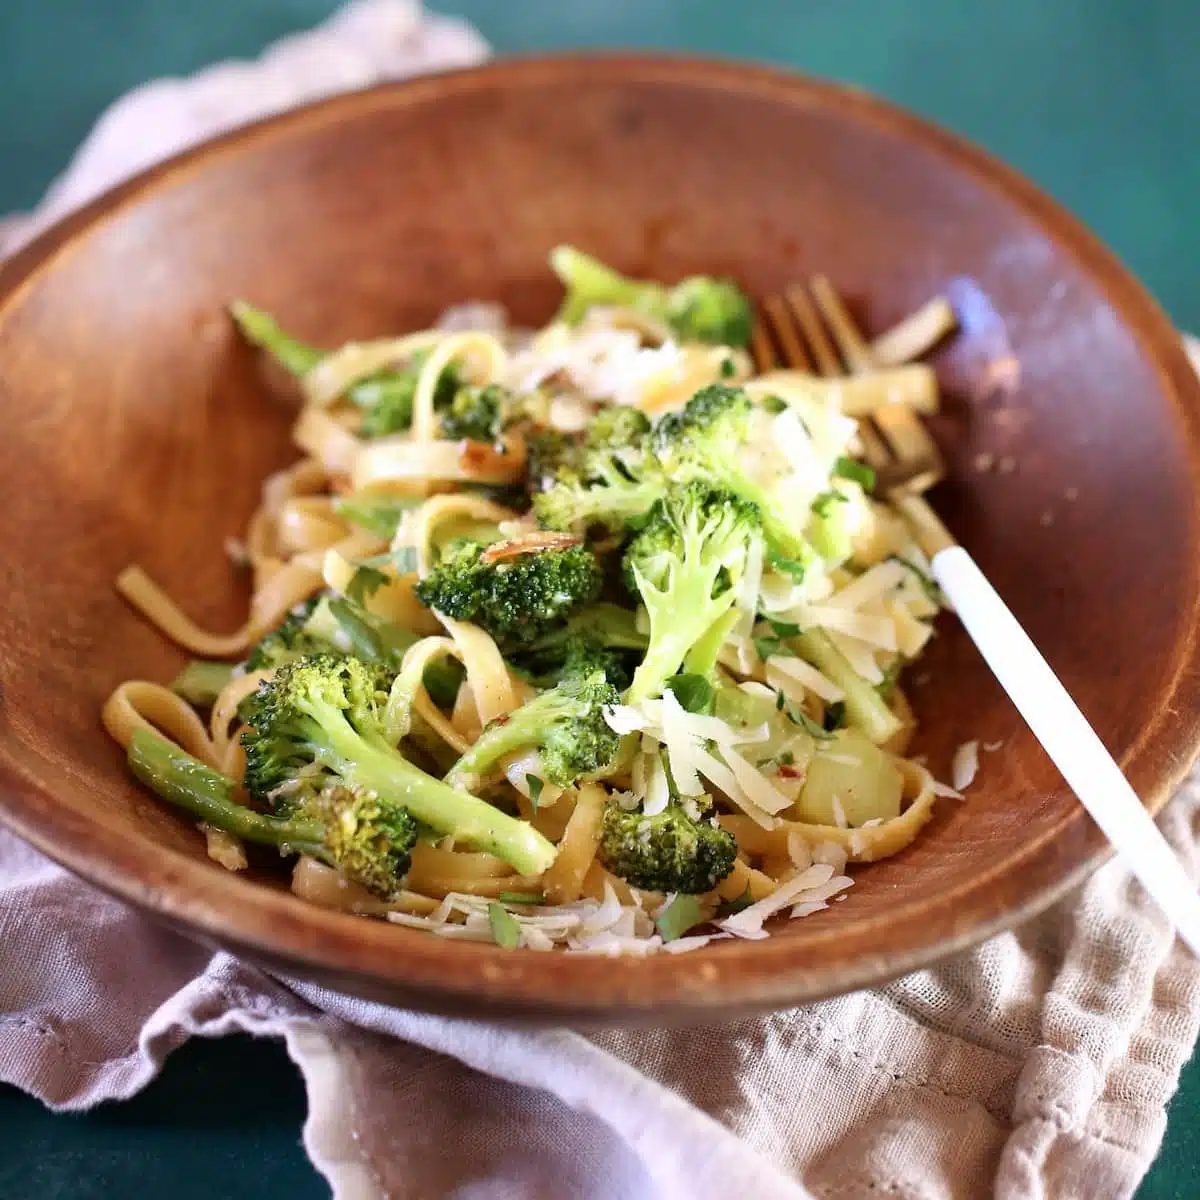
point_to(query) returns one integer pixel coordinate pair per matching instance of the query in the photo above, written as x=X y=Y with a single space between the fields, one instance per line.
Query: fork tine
x=895 y=443
x=912 y=446
x=785 y=334
x=853 y=346
x=814 y=331
x=875 y=449
x=761 y=349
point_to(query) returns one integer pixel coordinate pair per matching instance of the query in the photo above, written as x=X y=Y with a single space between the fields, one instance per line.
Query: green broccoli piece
x=566 y=724
x=517 y=600
x=704 y=309
x=366 y=836
x=668 y=852
x=612 y=480
x=479 y=413
x=618 y=427
x=550 y=454
x=484 y=413
x=261 y=329
x=329 y=712
x=687 y=564
x=288 y=641
x=386 y=397
x=701 y=441
x=576 y=503
x=699 y=309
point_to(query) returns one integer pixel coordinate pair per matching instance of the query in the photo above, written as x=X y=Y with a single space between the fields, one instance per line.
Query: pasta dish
x=589 y=637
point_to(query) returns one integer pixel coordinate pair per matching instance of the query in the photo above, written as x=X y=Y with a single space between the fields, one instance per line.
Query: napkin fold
x=1038 y=1065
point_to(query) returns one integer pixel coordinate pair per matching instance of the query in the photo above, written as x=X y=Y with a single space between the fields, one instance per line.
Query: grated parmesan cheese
x=784 y=672
x=965 y=765
x=749 y=922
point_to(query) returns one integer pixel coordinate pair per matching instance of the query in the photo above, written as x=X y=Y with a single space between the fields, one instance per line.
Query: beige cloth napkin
x=1039 y=1065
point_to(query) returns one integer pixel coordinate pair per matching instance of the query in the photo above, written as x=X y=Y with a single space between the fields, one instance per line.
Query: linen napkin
x=1038 y=1065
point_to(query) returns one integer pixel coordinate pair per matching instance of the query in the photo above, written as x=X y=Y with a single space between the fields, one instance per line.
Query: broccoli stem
x=379 y=391
x=261 y=329
x=864 y=706
x=445 y=809
x=201 y=681
x=589 y=282
x=187 y=783
x=702 y=657
x=667 y=651
x=520 y=729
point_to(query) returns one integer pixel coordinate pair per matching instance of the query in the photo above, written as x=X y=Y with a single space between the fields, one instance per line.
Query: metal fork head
x=896 y=445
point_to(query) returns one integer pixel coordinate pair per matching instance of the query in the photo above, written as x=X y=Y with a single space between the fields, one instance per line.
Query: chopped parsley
x=729 y=908
x=536 y=786
x=694 y=693
x=365 y=581
x=824 y=503
x=856 y=472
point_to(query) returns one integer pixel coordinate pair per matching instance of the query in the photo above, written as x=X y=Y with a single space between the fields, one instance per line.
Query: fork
x=907 y=462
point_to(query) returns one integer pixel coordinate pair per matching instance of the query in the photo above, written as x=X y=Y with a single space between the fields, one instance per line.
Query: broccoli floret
x=385 y=397
x=687 y=564
x=668 y=852
x=608 y=485
x=517 y=600
x=704 y=309
x=566 y=724
x=484 y=413
x=479 y=413
x=368 y=837
x=701 y=442
x=330 y=712
x=611 y=480
x=577 y=505
x=585 y=654
x=551 y=454
x=699 y=309
x=618 y=427
x=288 y=641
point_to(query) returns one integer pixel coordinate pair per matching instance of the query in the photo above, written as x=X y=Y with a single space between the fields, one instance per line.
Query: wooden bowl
x=137 y=428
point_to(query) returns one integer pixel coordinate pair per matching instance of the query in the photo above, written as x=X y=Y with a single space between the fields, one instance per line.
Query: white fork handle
x=1070 y=741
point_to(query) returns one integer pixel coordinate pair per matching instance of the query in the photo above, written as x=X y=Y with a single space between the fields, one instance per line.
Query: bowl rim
x=375 y=957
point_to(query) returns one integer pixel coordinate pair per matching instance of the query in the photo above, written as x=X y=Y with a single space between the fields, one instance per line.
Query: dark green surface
x=1095 y=99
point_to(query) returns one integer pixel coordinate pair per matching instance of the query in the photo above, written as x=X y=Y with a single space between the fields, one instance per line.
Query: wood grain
x=137 y=428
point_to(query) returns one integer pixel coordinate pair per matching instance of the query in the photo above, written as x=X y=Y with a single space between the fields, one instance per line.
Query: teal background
x=1092 y=98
